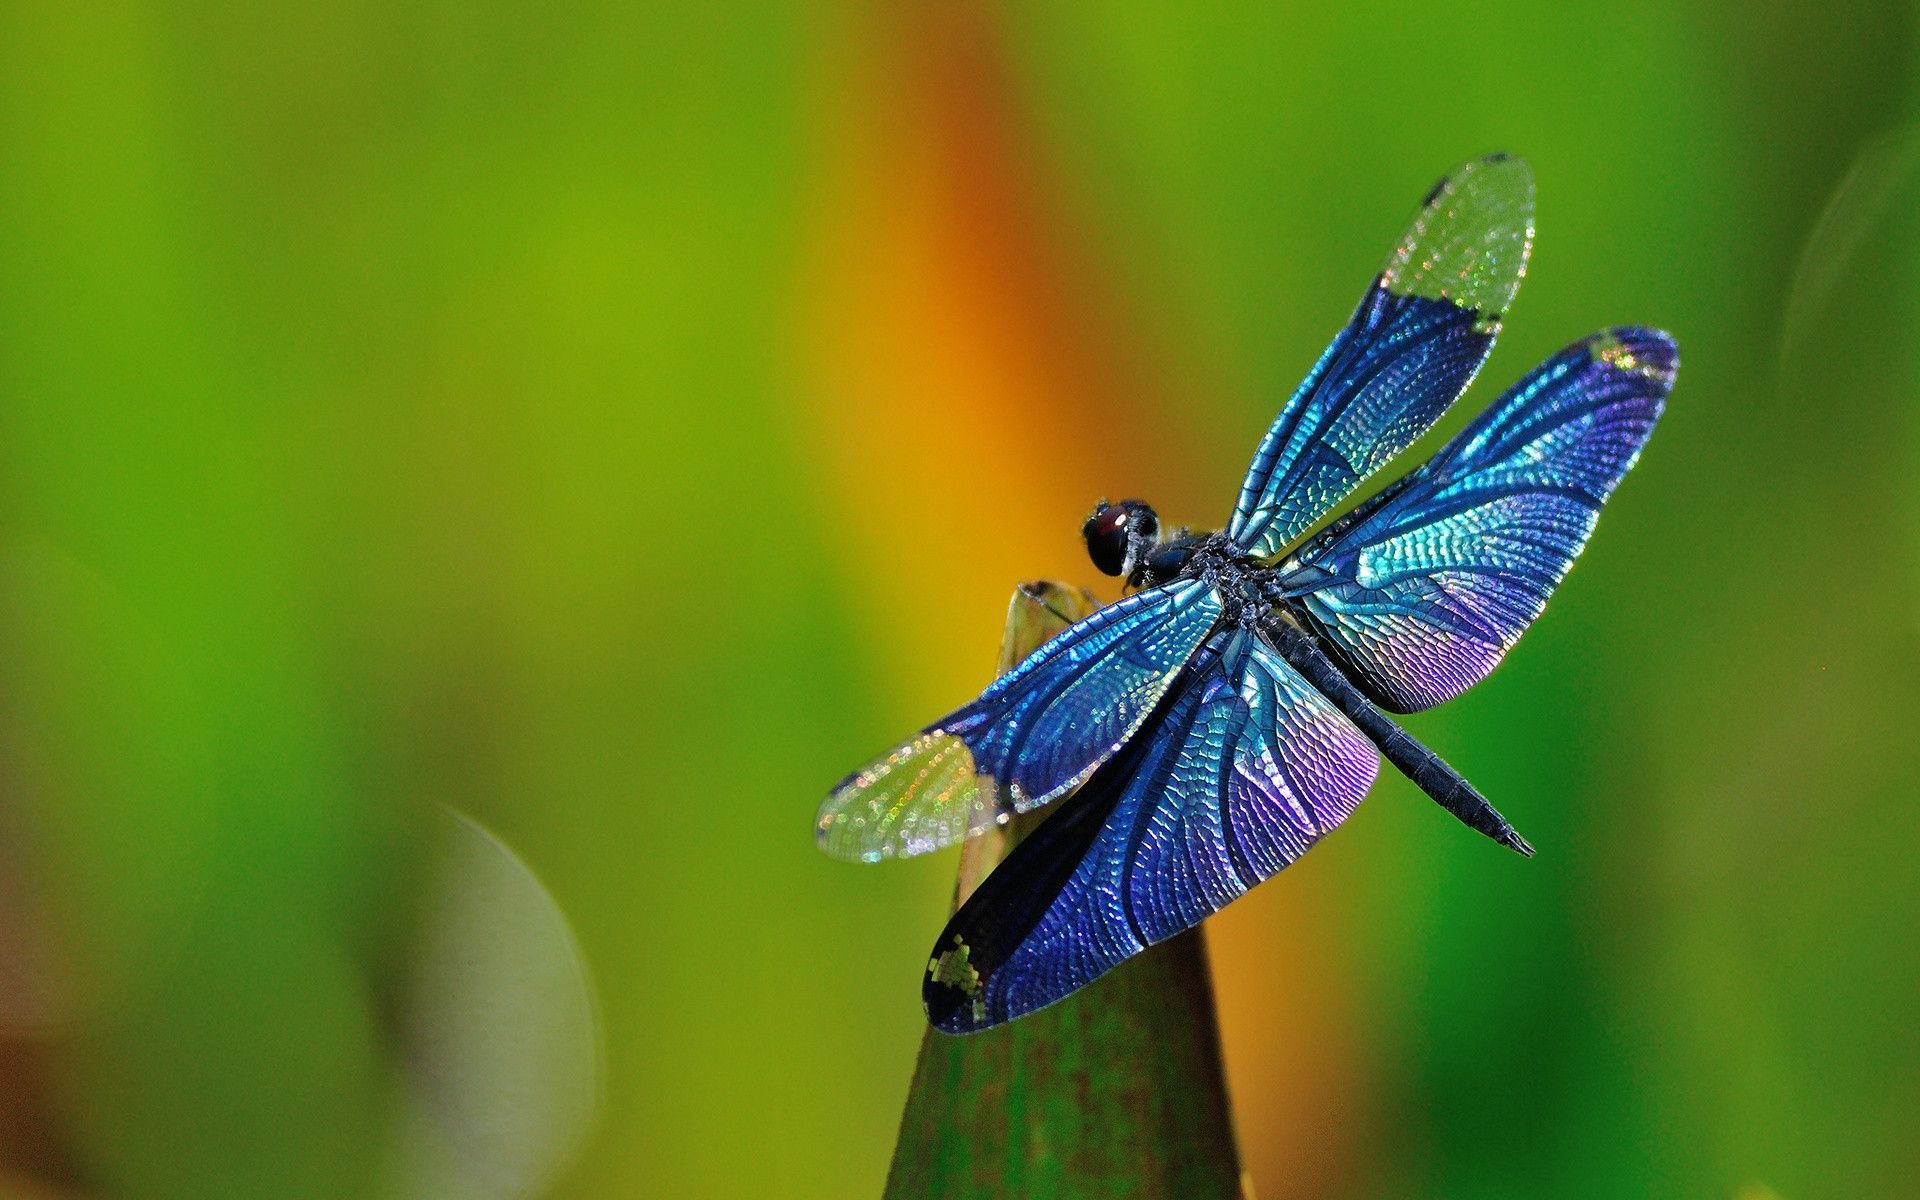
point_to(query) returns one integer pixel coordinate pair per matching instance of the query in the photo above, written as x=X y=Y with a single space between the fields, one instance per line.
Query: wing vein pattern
x=1036 y=732
x=1412 y=346
x=1243 y=769
x=1421 y=591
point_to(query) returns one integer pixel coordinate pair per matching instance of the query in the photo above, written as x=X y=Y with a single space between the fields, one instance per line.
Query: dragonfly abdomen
x=1431 y=773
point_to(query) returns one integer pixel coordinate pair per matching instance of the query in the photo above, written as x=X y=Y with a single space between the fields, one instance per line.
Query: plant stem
x=1116 y=1091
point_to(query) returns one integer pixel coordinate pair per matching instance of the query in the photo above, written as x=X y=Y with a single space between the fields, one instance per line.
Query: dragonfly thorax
x=1209 y=556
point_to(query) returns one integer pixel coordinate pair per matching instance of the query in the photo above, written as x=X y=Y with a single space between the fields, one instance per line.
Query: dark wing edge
x=1420 y=593
x=1242 y=771
x=1035 y=733
x=1415 y=342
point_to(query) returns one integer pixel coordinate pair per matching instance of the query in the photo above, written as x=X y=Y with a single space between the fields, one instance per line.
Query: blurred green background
x=611 y=423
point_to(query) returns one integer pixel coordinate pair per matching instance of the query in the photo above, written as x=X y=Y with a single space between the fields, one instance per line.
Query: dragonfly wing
x=1422 y=590
x=1416 y=341
x=1036 y=732
x=1243 y=769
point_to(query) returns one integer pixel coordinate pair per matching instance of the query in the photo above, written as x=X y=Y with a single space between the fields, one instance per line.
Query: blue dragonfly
x=1231 y=710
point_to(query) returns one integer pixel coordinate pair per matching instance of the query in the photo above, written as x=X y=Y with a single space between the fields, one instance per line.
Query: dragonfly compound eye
x=1106 y=534
x=1119 y=535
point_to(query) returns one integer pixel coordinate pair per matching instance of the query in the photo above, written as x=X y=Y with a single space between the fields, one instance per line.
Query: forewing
x=1416 y=341
x=1423 y=590
x=1244 y=768
x=1037 y=731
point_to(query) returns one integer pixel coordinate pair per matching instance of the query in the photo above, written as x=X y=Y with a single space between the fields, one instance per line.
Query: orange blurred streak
x=1296 y=1060
x=960 y=386
x=972 y=404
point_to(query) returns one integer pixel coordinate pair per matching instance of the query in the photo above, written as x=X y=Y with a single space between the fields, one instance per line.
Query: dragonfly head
x=1119 y=536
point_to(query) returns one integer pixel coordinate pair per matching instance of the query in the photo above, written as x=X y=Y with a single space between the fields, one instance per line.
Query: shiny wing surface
x=1422 y=590
x=1414 y=344
x=1036 y=732
x=1243 y=769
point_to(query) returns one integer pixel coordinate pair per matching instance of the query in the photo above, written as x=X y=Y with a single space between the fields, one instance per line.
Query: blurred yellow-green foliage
x=472 y=474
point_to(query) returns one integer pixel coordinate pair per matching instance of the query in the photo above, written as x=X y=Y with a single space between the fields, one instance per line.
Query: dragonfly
x=1233 y=708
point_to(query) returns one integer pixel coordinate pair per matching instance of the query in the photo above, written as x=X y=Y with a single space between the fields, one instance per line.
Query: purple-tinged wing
x=1414 y=344
x=1036 y=732
x=1422 y=590
x=1243 y=769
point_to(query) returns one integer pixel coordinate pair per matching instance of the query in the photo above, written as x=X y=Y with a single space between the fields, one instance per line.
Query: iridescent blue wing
x=1036 y=732
x=1243 y=769
x=1423 y=589
x=1416 y=341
